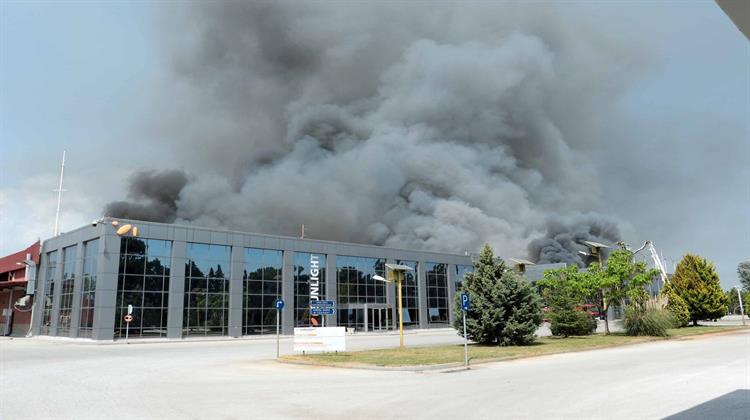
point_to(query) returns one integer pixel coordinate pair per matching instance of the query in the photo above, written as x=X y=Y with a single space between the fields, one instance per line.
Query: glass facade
x=410 y=295
x=355 y=285
x=461 y=271
x=437 y=293
x=206 y=302
x=261 y=287
x=66 y=291
x=88 y=287
x=143 y=281
x=309 y=284
x=49 y=292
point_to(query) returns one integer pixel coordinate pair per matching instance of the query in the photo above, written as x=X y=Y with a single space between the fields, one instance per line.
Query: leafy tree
x=743 y=271
x=565 y=293
x=505 y=308
x=696 y=282
x=733 y=301
x=621 y=278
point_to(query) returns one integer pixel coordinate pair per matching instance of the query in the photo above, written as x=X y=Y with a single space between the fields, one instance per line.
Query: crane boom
x=658 y=263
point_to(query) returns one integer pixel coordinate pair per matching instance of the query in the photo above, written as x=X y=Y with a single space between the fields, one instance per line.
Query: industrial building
x=16 y=271
x=185 y=281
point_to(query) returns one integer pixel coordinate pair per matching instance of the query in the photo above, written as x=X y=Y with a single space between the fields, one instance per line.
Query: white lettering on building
x=314 y=277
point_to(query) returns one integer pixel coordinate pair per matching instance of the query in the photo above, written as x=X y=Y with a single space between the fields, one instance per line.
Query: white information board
x=320 y=339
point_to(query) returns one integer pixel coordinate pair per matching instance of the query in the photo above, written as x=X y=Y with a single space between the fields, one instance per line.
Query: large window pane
x=207 y=289
x=143 y=283
x=261 y=287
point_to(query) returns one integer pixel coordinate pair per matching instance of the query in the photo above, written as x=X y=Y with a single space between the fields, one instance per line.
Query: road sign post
x=322 y=307
x=279 y=304
x=128 y=318
x=465 y=305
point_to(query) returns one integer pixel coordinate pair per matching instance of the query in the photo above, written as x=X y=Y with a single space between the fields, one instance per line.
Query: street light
x=30 y=277
x=399 y=269
x=742 y=308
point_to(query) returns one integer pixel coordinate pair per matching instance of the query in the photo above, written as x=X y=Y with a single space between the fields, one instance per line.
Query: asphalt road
x=706 y=377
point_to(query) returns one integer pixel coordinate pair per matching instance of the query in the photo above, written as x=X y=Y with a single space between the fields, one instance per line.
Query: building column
x=422 y=287
x=54 y=317
x=176 y=291
x=451 y=279
x=75 y=310
x=105 y=296
x=287 y=292
x=236 y=291
x=331 y=289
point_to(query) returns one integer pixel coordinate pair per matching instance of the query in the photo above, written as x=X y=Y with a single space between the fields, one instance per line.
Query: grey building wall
x=109 y=256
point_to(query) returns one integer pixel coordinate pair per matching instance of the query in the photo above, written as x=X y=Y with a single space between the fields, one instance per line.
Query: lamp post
x=399 y=270
x=742 y=308
x=30 y=277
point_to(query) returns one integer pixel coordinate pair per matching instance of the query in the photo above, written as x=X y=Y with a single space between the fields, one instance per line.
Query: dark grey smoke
x=564 y=239
x=425 y=125
x=153 y=197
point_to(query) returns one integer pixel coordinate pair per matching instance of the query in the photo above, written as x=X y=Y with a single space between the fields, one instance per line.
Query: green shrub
x=679 y=310
x=648 y=318
x=566 y=322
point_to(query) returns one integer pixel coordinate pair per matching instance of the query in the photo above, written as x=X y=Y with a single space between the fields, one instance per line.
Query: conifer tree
x=696 y=282
x=505 y=308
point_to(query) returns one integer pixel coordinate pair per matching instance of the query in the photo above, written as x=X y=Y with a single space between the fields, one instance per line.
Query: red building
x=13 y=280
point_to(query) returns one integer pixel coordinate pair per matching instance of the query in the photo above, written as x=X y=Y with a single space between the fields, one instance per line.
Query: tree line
x=506 y=309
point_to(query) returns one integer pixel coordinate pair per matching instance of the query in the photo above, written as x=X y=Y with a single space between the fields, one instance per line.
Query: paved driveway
x=236 y=379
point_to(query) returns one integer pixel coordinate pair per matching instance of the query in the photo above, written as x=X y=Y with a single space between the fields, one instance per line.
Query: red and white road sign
x=128 y=318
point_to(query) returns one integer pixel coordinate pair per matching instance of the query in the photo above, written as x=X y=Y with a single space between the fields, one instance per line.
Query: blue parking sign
x=465 y=301
x=279 y=304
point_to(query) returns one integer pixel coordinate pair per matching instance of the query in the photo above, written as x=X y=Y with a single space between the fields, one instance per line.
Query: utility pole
x=59 y=191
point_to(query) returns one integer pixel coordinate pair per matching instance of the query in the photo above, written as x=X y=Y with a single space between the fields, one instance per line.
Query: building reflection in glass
x=88 y=288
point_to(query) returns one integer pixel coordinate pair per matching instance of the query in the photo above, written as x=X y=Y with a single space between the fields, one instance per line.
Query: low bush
x=648 y=318
x=566 y=322
x=679 y=310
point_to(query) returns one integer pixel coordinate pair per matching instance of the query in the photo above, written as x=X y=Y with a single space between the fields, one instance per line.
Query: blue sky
x=80 y=75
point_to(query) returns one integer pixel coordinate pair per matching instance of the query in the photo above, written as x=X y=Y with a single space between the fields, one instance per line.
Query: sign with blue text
x=465 y=304
x=322 y=311
x=279 y=304
x=322 y=304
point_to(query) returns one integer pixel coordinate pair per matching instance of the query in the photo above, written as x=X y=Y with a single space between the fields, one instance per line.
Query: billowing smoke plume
x=422 y=125
x=564 y=239
x=153 y=197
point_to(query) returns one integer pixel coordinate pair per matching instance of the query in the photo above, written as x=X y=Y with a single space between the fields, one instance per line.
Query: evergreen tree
x=743 y=271
x=677 y=307
x=505 y=308
x=696 y=282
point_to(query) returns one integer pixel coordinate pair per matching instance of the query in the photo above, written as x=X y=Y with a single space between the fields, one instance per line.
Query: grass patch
x=437 y=355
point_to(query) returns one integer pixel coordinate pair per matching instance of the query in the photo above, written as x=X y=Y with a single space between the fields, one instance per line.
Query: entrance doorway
x=372 y=317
